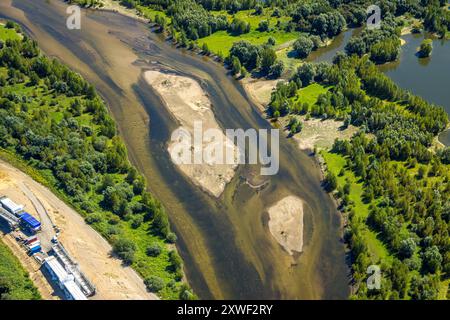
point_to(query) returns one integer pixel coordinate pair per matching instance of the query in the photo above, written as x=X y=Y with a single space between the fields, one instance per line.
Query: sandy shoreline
x=286 y=223
x=113 y=6
x=188 y=103
x=259 y=91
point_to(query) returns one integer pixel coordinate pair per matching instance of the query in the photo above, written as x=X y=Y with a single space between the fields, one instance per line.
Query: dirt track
x=85 y=245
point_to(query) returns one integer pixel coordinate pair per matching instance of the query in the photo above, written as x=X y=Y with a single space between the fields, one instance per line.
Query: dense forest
x=221 y=23
x=52 y=119
x=405 y=183
x=15 y=283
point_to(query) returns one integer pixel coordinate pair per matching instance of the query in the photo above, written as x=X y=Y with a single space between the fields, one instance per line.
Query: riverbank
x=188 y=103
x=114 y=6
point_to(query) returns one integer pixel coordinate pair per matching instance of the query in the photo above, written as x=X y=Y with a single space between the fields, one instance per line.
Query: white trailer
x=11 y=206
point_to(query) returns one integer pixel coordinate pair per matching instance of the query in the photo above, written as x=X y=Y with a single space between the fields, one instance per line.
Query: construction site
x=62 y=269
x=65 y=257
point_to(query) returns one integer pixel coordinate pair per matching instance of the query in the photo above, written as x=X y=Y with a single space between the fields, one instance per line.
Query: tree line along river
x=224 y=242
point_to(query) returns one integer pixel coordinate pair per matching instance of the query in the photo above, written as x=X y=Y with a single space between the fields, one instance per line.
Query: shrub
x=154 y=283
x=303 y=47
x=171 y=237
x=154 y=250
x=125 y=249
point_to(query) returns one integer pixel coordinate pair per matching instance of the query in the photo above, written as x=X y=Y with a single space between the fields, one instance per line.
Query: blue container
x=35 y=250
x=30 y=221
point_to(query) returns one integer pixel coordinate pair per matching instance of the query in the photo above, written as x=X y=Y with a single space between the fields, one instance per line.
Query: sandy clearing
x=188 y=103
x=320 y=133
x=85 y=245
x=110 y=5
x=260 y=91
x=286 y=223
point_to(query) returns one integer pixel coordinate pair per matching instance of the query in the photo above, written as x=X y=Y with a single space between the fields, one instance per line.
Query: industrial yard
x=65 y=257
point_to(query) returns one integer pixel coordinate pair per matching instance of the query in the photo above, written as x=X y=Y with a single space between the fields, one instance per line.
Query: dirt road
x=85 y=245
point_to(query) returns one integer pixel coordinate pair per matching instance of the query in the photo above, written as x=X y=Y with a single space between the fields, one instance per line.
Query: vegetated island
x=188 y=103
x=54 y=125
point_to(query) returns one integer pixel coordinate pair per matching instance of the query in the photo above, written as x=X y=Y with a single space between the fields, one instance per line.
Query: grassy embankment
x=15 y=283
x=54 y=108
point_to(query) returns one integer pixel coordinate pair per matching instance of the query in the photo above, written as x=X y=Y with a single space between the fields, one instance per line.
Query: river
x=225 y=243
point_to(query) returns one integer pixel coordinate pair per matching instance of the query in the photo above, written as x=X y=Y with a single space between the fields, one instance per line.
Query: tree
x=125 y=249
x=432 y=259
x=330 y=182
x=426 y=47
x=186 y=293
x=205 y=49
x=424 y=288
x=268 y=58
x=295 y=126
x=271 y=41
x=306 y=73
x=171 y=237
x=303 y=47
x=154 y=283
x=248 y=54
x=175 y=261
x=235 y=65
x=239 y=27
x=154 y=250
x=276 y=70
x=258 y=10
x=407 y=248
x=263 y=26
x=385 y=51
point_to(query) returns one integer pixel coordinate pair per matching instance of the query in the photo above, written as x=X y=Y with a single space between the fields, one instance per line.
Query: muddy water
x=225 y=243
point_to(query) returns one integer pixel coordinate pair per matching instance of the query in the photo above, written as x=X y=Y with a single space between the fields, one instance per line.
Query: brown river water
x=225 y=243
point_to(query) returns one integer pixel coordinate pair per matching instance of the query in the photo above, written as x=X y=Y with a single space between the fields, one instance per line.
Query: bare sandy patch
x=114 y=6
x=260 y=91
x=188 y=103
x=286 y=223
x=321 y=133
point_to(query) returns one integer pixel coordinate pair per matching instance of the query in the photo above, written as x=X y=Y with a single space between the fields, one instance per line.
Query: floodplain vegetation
x=54 y=122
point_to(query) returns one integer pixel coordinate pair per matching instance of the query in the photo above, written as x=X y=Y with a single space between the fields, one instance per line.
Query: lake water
x=429 y=77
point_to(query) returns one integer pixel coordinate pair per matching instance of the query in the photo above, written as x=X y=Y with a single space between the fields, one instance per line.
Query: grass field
x=6 y=33
x=310 y=93
x=15 y=283
x=222 y=41
x=335 y=163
